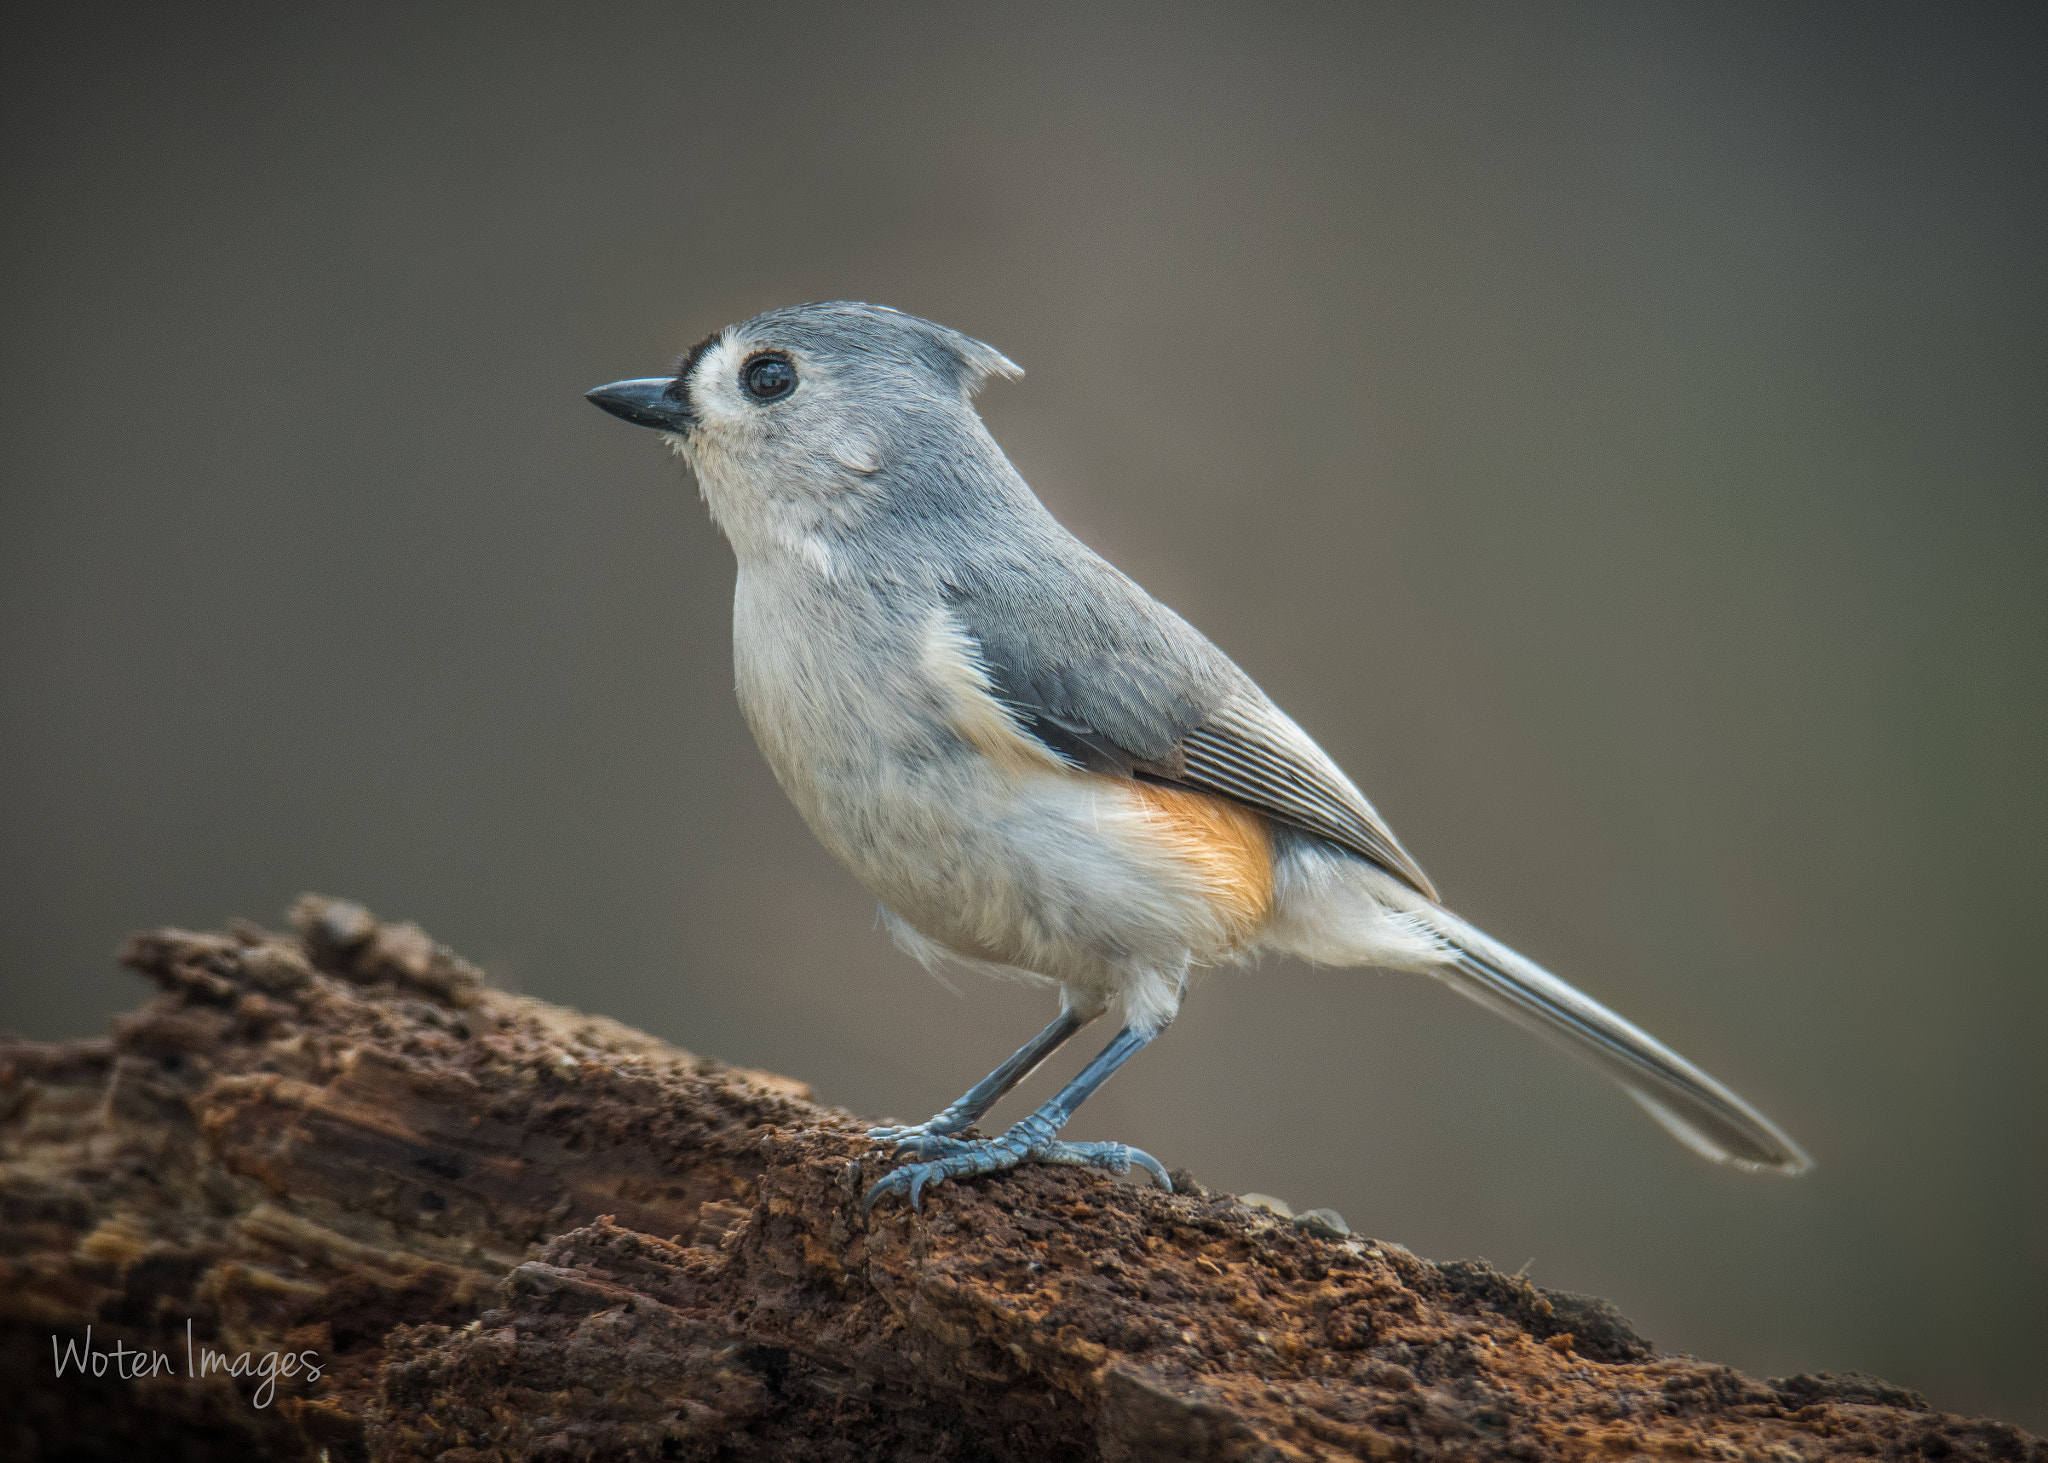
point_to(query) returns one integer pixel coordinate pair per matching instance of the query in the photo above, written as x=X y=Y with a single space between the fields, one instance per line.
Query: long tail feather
x=1691 y=1106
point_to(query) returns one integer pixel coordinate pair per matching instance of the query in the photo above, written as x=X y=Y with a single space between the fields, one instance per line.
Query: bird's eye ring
x=768 y=377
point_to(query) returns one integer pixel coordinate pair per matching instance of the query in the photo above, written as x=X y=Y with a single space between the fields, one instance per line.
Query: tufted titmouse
x=1035 y=766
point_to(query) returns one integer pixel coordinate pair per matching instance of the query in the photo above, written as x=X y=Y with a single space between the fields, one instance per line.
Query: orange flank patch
x=1230 y=847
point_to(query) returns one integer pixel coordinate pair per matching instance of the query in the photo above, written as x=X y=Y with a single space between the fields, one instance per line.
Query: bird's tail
x=1693 y=1107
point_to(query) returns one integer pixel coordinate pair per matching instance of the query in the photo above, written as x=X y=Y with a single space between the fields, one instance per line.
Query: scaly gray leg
x=990 y=1090
x=1033 y=1138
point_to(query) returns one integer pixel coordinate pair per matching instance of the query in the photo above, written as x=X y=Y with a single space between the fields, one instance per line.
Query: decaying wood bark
x=500 y=1229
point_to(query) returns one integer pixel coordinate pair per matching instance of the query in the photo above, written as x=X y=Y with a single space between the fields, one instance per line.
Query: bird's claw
x=1115 y=1157
x=942 y=1126
x=946 y=1157
x=936 y=1145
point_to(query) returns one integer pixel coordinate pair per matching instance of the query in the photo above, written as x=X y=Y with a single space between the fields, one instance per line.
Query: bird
x=1038 y=769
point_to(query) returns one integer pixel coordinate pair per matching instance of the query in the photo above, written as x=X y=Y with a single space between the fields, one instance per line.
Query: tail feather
x=1690 y=1105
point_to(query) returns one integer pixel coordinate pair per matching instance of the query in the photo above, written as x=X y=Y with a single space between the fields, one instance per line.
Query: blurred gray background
x=1618 y=433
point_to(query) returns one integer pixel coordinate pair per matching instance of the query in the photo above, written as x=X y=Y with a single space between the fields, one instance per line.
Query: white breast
x=877 y=719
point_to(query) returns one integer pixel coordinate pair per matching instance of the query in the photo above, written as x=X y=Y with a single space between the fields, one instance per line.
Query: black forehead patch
x=687 y=362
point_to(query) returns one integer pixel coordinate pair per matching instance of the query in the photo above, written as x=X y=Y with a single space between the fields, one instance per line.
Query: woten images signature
x=201 y=1361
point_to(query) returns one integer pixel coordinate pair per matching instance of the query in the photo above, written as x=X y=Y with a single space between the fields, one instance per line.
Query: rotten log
x=500 y=1229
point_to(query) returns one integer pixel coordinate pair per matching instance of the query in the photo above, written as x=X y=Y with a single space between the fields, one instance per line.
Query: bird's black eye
x=768 y=378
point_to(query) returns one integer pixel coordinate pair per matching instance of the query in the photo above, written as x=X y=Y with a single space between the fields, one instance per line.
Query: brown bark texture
x=500 y=1229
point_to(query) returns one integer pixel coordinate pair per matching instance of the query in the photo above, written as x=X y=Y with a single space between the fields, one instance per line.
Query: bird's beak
x=652 y=401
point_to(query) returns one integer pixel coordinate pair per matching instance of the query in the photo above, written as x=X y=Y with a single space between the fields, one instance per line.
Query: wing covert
x=1103 y=674
x=1115 y=682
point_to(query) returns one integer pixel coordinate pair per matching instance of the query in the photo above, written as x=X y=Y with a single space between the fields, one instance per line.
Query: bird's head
x=812 y=415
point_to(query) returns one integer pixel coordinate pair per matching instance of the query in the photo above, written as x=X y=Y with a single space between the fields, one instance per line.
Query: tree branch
x=501 y=1229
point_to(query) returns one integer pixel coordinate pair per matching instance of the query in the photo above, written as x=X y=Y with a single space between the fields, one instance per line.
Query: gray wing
x=1115 y=682
x=1249 y=750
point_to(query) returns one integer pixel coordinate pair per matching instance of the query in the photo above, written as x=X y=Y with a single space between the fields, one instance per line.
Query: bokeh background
x=1617 y=432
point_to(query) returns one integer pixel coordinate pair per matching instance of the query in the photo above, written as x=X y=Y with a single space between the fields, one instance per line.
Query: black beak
x=652 y=401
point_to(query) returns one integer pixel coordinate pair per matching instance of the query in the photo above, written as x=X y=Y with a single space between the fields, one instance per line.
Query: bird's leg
x=1035 y=1137
x=985 y=1094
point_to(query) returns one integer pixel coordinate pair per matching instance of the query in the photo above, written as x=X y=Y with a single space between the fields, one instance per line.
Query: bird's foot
x=946 y=1157
x=921 y=1144
x=937 y=1131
